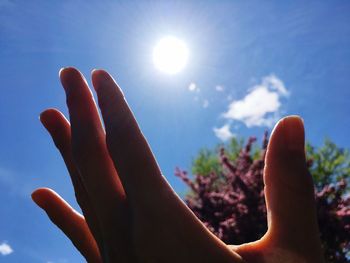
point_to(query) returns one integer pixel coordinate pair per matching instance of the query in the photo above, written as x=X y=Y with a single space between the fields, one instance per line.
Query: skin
x=131 y=213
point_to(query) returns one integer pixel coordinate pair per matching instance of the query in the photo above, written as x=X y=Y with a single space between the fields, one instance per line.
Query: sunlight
x=170 y=55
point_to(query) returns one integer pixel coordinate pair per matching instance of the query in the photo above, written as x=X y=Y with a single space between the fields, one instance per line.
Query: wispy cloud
x=11 y=180
x=193 y=87
x=261 y=106
x=5 y=249
x=219 y=88
x=224 y=133
x=205 y=104
x=198 y=96
x=6 y=177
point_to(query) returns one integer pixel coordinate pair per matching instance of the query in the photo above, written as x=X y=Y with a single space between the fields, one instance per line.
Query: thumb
x=289 y=189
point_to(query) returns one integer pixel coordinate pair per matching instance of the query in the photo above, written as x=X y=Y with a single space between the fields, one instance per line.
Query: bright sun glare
x=170 y=55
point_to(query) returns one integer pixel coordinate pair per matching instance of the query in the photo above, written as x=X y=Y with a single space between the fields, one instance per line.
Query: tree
x=227 y=193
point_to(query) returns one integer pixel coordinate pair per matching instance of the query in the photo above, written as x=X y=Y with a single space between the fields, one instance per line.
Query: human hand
x=131 y=214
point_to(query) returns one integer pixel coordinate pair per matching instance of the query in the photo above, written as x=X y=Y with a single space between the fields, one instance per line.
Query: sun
x=170 y=55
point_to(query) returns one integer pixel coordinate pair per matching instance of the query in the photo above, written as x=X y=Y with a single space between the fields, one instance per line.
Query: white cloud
x=205 y=104
x=274 y=83
x=5 y=249
x=219 y=88
x=193 y=87
x=261 y=106
x=223 y=133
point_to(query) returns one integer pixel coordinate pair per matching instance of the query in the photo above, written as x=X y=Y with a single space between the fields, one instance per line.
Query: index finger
x=131 y=154
x=91 y=156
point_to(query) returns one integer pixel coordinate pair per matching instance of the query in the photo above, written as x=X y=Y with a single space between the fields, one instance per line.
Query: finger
x=59 y=128
x=91 y=156
x=289 y=188
x=129 y=149
x=88 y=144
x=153 y=200
x=69 y=221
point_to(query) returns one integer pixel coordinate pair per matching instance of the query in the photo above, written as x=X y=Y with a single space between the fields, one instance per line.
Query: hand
x=131 y=214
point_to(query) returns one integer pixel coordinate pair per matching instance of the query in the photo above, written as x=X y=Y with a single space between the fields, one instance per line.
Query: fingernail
x=294 y=133
x=42 y=114
x=60 y=74
x=60 y=71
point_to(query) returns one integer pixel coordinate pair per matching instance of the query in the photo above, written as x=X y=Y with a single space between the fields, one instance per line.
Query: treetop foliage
x=227 y=192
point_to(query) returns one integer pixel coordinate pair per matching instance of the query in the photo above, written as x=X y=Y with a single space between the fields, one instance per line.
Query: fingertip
x=60 y=71
x=285 y=157
x=94 y=70
x=99 y=71
x=64 y=72
x=46 y=197
x=294 y=133
x=99 y=76
x=52 y=119
x=288 y=134
x=92 y=73
x=35 y=196
x=70 y=77
x=39 y=195
x=68 y=70
x=105 y=84
x=46 y=115
x=294 y=117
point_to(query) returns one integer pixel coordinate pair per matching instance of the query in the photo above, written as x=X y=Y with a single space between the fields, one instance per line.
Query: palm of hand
x=131 y=214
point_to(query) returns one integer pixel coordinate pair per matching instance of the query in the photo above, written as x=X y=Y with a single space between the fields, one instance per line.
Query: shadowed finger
x=91 y=156
x=59 y=129
x=129 y=149
x=69 y=221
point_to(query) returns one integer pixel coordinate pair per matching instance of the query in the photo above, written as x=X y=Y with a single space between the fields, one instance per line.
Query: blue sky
x=250 y=62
